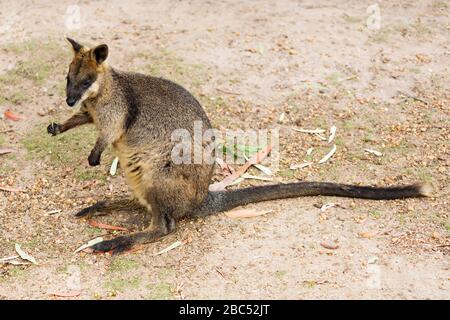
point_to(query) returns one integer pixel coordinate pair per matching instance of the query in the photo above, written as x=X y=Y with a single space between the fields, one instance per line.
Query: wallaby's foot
x=101 y=206
x=163 y=226
x=53 y=129
x=116 y=245
x=94 y=159
x=124 y=243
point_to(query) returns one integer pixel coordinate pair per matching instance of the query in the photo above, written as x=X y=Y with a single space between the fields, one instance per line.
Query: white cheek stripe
x=93 y=89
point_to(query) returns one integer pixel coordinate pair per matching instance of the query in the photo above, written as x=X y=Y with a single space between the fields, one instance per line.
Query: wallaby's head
x=86 y=72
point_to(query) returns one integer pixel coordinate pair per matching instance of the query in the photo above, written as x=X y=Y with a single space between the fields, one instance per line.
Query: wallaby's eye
x=86 y=83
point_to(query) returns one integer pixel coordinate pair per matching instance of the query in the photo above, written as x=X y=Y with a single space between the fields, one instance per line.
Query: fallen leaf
x=249 y=176
x=114 y=164
x=8 y=258
x=24 y=255
x=327 y=206
x=332 y=134
x=314 y=131
x=15 y=262
x=6 y=150
x=375 y=152
x=171 y=247
x=309 y=151
x=226 y=169
x=260 y=167
x=368 y=234
x=263 y=169
x=330 y=245
x=8 y=114
x=68 y=294
x=100 y=225
x=372 y=260
x=53 y=212
x=328 y=155
x=89 y=244
x=320 y=137
x=246 y=213
x=300 y=166
x=237 y=181
x=11 y=189
x=256 y=158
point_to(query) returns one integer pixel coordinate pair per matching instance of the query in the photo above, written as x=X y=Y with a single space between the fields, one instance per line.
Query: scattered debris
x=320 y=137
x=228 y=92
x=332 y=134
x=300 y=166
x=12 y=116
x=313 y=131
x=328 y=155
x=249 y=176
x=263 y=169
x=368 y=234
x=11 y=189
x=6 y=150
x=15 y=262
x=7 y=130
x=246 y=213
x=220 y=272
x=68 y=294
x=237 y=181
x=5 y=260
x=309 y=151
x=114 y=164
x=330 y=245
x=89 y=244
x=413 y=97
x=372 y=260
x=260 y=167
x=226 y=169
x=24 y=255
x=327 y=206
x=171 y=247
x=375 y=152
x=53 y=212
x=256 y=158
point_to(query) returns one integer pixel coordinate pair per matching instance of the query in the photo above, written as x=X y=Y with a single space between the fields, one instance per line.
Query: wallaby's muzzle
x=71 y=101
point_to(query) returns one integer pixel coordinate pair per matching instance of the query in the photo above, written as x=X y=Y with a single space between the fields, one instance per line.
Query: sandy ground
x=258 y=64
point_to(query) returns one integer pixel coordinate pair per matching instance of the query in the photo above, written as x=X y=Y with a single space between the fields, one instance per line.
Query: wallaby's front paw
x=53 y=129
x=94 y=159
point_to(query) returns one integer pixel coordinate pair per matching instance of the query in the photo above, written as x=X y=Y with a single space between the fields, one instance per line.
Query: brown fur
x=168 y=191
x=137 y=114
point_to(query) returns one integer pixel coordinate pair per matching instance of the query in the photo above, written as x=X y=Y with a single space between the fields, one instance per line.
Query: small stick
x=228 y=92
x=413 y=97
x=7 y=130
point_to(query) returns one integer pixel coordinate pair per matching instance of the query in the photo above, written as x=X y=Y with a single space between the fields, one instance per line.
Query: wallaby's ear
x=100 y=53
x=75 y=45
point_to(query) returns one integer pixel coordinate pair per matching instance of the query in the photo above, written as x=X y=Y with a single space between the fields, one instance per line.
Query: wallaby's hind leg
x=102 y=206
x=162 y=225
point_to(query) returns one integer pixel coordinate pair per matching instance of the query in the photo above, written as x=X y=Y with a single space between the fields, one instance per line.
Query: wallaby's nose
x=71 y=101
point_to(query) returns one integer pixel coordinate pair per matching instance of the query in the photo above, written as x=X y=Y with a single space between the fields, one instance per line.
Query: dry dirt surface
x=253 y=65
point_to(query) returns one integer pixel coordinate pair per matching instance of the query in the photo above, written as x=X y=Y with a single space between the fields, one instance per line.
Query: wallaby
x=136 y=114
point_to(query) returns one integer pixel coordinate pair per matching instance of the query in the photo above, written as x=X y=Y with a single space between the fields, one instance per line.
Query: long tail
x=218 y=201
